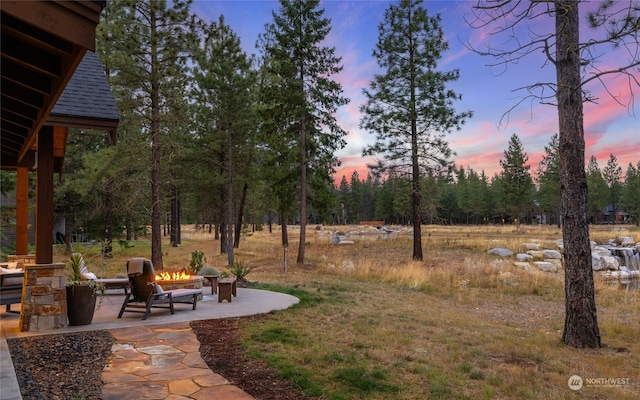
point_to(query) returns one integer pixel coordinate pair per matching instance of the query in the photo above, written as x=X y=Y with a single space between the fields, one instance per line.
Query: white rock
x=598 y=262
x=524 y=257
x=555 y=254
x=612 y=263
x=545 y=266
x=346 y=242
x=626 y=240
x=521 y=264
x=530 y=246
x=601 y=251
x=499 y=251
x=536 y=254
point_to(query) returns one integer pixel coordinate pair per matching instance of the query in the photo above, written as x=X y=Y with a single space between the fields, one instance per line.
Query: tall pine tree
x=148 y=48
x=517 y=185
x=306 y=98
x=224 y=77
x=549 y=181
x=408 y=106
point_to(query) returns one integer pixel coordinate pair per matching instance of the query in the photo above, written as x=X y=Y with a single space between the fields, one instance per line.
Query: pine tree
x=597 y=194
x=303 y=98
x=612 y=174
x=148 y=45
x=224 y=80
x=631 y=192
x=408 y=105
x=517 y=185
x=549 y=180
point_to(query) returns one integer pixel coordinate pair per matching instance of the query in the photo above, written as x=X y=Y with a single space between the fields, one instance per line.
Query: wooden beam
x=22 y=211
x=73 y=21
x=44 y=197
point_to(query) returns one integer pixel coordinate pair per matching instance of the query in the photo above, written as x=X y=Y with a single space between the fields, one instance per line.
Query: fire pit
x=179 y=280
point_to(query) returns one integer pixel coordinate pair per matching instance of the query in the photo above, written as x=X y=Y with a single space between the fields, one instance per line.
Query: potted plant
x=81 y=292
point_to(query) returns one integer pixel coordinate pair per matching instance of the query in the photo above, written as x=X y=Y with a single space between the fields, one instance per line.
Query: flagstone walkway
x=162 y=362
x=157 y=358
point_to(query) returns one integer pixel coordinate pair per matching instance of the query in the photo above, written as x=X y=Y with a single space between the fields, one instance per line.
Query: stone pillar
x=44 y=298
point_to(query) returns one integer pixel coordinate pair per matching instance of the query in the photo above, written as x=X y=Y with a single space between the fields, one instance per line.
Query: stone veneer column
x=44 y=298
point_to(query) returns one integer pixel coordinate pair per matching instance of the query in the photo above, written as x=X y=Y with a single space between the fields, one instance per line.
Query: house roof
x=87 y=101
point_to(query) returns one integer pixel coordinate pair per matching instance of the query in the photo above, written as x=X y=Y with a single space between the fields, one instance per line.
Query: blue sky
x=489 y=92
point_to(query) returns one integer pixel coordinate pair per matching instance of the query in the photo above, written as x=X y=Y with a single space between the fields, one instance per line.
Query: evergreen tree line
x=462 y=195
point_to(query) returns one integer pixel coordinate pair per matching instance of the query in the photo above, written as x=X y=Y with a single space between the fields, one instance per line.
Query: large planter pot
x=81 y=303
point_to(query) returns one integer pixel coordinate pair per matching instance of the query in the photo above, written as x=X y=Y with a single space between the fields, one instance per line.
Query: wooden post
x=22 y=211
x=44 y=197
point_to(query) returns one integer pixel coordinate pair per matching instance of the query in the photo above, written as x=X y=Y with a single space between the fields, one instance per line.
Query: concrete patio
x=247 y=302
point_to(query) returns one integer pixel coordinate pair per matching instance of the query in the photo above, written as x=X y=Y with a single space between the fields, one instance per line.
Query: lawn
x=462 y=324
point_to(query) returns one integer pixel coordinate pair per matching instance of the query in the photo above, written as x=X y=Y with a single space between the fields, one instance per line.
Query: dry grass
x=372 y=324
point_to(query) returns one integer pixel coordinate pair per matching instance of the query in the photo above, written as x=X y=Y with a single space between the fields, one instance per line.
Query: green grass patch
x=364 y=380
x=307 y=298
x=277 y=335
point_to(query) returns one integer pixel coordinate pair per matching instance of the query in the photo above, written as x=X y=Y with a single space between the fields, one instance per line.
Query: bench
x=226 y=288
x=213 y=281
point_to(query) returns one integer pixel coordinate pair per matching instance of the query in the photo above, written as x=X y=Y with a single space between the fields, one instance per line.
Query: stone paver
x=162 y=362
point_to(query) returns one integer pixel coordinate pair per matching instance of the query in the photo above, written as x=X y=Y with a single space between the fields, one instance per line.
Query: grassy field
x=372 y=324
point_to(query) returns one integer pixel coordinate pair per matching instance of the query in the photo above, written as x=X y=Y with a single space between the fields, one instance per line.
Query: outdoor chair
x=146 y=293
x=103 y=283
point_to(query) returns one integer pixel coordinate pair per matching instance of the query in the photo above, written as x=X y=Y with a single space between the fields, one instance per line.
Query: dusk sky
x=610 y=128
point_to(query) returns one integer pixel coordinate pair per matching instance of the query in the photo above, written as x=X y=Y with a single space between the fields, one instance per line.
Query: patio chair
x=146 y=293
x=103 y=283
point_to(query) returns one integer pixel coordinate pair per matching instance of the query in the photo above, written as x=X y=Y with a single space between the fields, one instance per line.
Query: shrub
x=208 y=271
x=197 y=262
x=240 y=270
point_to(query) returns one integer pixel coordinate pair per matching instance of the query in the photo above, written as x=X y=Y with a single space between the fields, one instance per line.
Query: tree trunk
x=229 y=241
x=108 y=221
x=156 y=210
x=283 y=226
x=243 y=202
x=223 y=237
x=581 y=322
x=303 y=190
x=173 y=225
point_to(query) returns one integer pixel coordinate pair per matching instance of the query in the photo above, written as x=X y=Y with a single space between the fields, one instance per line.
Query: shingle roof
x=87 y=94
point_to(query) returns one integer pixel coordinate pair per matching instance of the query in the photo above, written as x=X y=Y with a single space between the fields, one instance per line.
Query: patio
x=247 y=302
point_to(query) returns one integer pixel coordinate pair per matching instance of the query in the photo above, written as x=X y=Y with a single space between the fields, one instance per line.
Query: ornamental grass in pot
x=81 y=293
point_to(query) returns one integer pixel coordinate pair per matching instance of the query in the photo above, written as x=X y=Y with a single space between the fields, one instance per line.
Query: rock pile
x=619 y=257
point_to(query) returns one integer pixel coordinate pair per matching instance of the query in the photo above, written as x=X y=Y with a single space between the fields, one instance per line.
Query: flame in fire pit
x=172 y=276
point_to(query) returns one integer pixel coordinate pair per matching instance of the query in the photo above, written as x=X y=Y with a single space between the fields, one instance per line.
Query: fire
x=172 y=276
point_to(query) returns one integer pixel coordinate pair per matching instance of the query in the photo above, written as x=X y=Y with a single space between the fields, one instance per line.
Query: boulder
x=598 y=263
x=554 y=254
x=521 y=264
x=626 y=241
x=524 y=257
x=530 y=246
x=499 y=251
x=536 y=254
x=612 y=263
x=601 y=251
x=545 y=266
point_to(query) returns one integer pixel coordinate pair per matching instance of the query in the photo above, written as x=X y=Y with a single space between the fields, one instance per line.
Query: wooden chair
x=146 y=293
